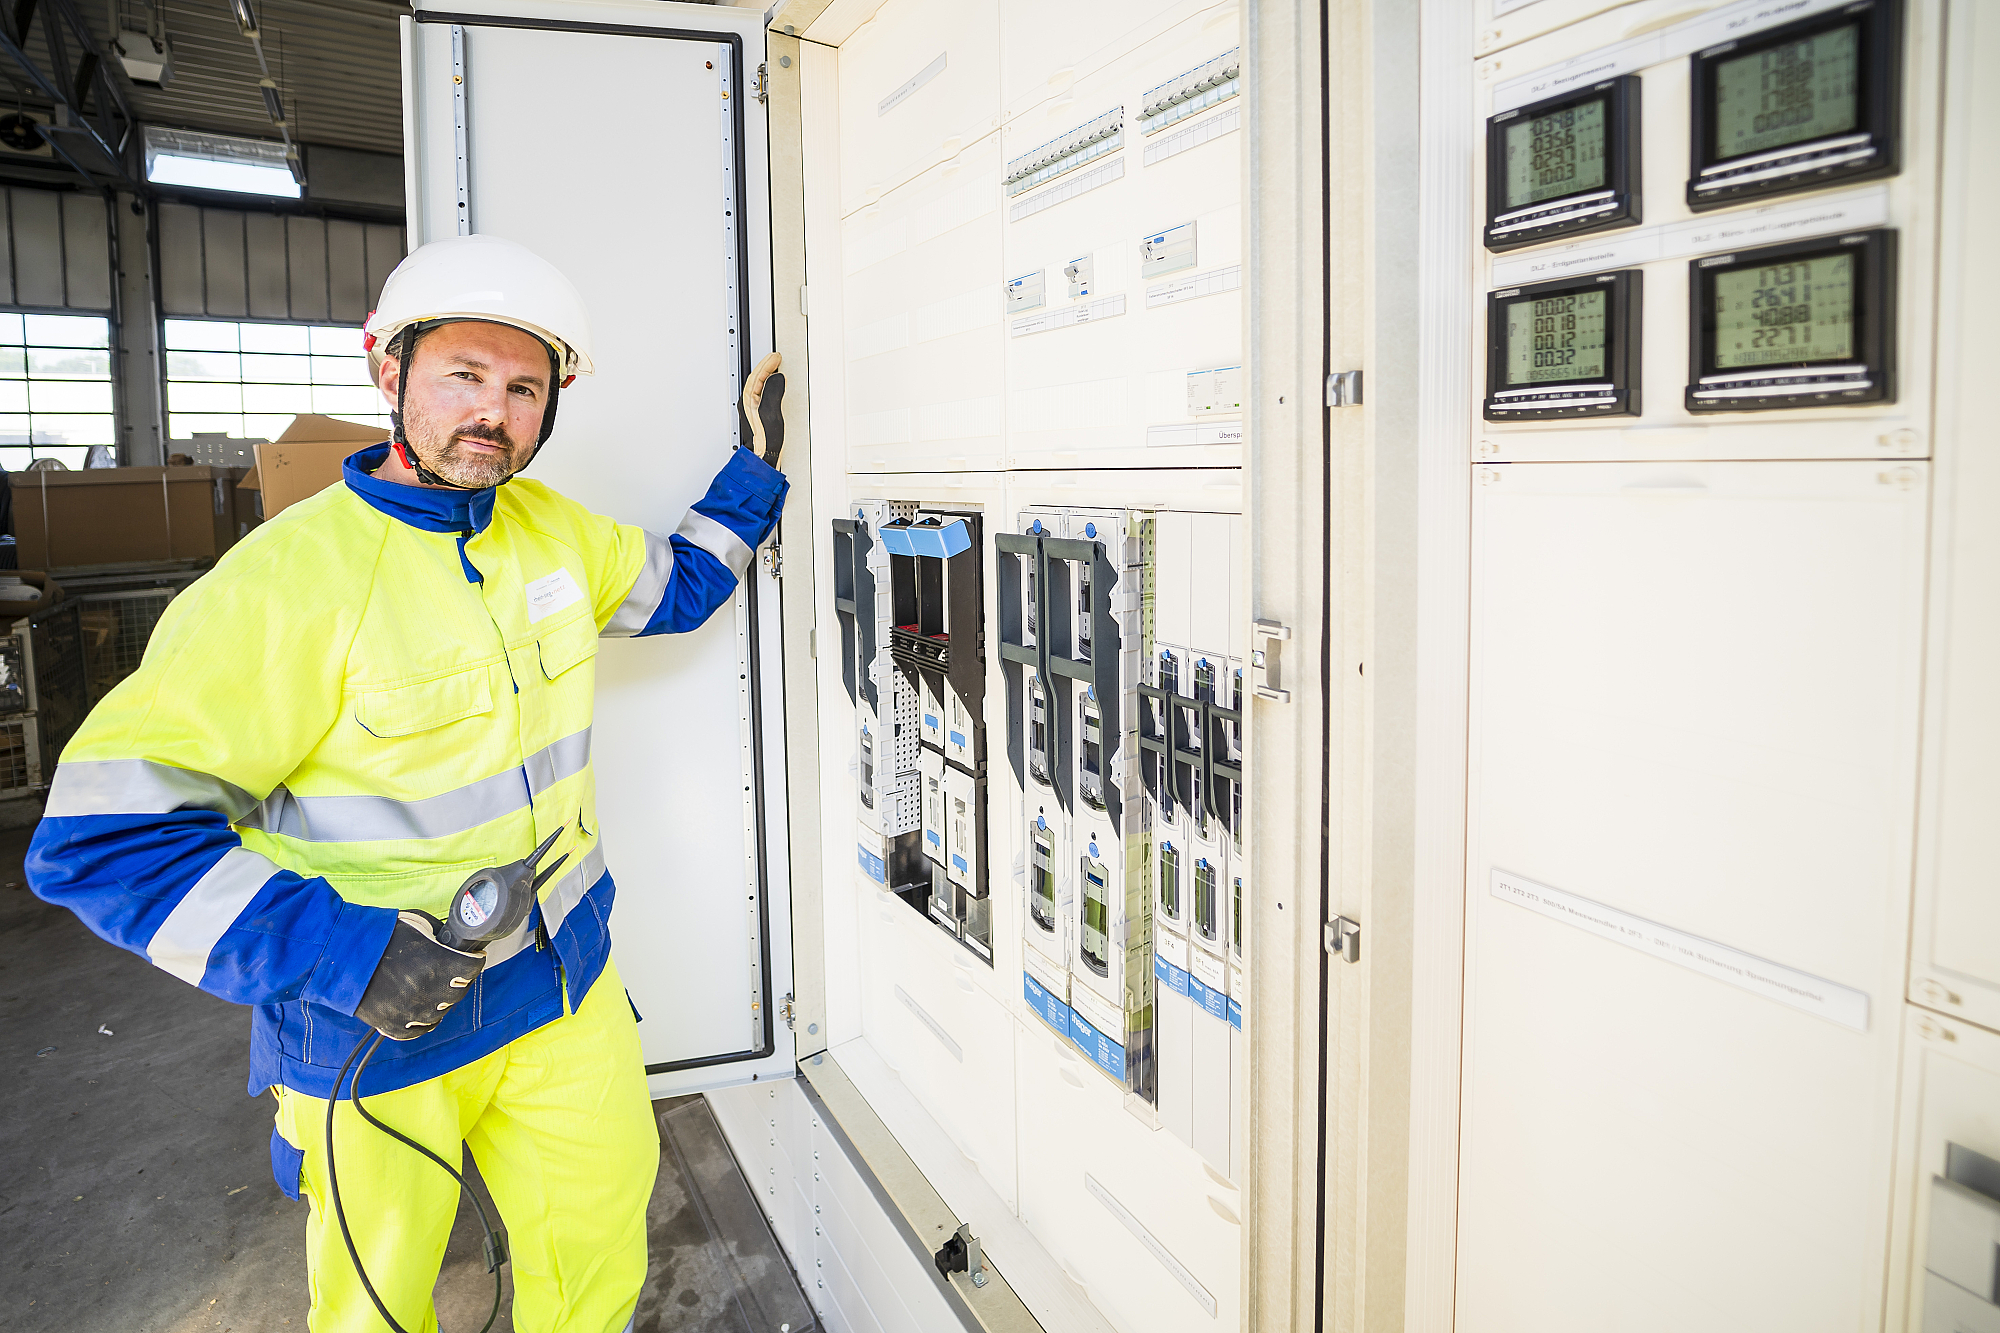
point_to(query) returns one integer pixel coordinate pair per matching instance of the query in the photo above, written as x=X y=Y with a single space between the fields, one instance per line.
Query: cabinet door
x=625 y=145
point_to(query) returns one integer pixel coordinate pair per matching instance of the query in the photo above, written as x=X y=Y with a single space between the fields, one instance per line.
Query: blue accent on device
x=1046 y=1006
x=1103 y=1052
x=873 y=864
x=940 y=543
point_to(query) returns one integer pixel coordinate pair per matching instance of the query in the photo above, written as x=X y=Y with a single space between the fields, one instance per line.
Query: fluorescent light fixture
x=273 y=105
x=219 y=162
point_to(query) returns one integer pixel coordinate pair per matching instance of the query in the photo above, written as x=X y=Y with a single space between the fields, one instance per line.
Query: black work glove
x=764 y=408
x=416 y=981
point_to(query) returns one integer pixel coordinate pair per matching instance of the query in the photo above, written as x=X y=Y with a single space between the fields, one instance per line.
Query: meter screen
x=1557 y=154
x=1564 y=349
x=1783 y=313
x=1558 y=337
x=1803 y=89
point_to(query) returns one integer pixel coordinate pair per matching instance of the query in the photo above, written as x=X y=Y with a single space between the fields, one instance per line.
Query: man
x=381 y=691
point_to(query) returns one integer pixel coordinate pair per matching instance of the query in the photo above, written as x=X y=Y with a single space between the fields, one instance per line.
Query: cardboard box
x=123 y=515
x=306 y=459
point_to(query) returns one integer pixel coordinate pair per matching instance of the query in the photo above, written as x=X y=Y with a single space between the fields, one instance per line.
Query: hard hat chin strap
x=405 y=349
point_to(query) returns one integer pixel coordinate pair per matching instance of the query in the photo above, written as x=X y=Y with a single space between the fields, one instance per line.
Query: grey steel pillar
x=141 y=414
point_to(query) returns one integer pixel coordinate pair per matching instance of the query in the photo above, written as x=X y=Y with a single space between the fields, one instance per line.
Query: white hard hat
x=485 y=278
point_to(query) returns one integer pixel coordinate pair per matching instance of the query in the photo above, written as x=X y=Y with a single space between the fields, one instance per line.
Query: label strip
x=937 y=1028
x=1682 y=39
x=1196 y=285
x=1227 y=122
x=1081 y=183
x=1152 y=1244
x=1760 y=976
x=1849 y=211
x=1105 y=307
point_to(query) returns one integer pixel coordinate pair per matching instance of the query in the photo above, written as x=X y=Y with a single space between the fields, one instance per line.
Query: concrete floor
x=135 y=1180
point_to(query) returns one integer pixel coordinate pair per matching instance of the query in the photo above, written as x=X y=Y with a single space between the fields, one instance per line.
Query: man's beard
x=460 y=465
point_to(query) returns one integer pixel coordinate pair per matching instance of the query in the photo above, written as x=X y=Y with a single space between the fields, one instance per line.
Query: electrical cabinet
x=1704 y=463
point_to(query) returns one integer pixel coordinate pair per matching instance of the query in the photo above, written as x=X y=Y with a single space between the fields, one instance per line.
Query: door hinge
x=774 y=559
x=1343 y=939
x=1343 y=389
x=762 y=85
x=1264 y=660
x=785 y=1008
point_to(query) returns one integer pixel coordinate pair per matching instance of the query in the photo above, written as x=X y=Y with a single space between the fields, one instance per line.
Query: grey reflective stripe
x=644 y=599
x=717 y=540
x=384 y=819
x=552 y=763
x=566 y=893
x=140 y=787
x=198 y=922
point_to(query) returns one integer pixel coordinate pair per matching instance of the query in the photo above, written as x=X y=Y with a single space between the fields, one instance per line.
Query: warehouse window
x=55 y=387
x=249 y=380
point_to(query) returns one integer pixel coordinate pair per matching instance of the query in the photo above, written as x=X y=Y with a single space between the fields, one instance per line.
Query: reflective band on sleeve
x=140 y=787
x=198 y=922
x=640 y=603
x=384 y=819
x=565 y=894
x=717 y=540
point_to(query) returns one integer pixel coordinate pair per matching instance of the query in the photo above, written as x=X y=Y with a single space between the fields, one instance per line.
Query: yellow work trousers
x=563 y=1132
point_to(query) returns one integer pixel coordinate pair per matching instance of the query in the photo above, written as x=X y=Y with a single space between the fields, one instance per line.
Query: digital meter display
x=1785 y=94
x=1797 y=107
x=1786 y=312
x=1170 y=882
x=1564 y=167
x=1558 y=337
x=1096 y=916
x=1557 y=154
x=1564 y=349
x=1806 y=324
x=1042 y=876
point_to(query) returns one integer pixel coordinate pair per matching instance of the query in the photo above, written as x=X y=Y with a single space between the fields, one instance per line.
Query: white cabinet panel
x=1694 y=702
x=1075 y=1130
x=917 y=82
x=1952 y=1105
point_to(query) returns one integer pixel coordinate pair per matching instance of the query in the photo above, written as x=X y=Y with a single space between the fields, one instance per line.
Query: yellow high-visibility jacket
x=380 y=691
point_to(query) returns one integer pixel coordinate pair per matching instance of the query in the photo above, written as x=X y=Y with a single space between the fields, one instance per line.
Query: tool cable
x=495 y=1242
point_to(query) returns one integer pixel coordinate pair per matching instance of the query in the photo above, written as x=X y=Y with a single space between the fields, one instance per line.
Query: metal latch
x=761 y=85
x=961 y=1254
x=774 y=558
x=1264 y=660
x=1343 y=939
x=785 y=1008
x=1343 y=389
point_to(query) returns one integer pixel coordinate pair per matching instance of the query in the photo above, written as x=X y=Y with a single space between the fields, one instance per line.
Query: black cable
x=495 y=1244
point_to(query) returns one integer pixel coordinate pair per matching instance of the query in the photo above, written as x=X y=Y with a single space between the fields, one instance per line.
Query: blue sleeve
x=127 y=846
x=693 y=572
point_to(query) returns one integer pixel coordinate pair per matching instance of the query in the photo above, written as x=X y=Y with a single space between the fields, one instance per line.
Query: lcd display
x=1559 y=154
x=1788 y=94
x=1799 y=310
x=1560 y=337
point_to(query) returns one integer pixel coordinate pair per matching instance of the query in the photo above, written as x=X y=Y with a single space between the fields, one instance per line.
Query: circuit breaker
x=1192 y=776
x=1070 y=645
x=909 y=597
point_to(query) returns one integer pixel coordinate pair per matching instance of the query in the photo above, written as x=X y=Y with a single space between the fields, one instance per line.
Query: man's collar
x=433 y=509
